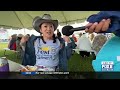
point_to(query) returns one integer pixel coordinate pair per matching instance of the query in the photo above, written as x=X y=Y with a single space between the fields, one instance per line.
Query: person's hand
x=24 y=39
x=66 y=38
x=98 y=27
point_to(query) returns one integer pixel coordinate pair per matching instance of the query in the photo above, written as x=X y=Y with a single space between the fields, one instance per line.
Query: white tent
x=3 y=34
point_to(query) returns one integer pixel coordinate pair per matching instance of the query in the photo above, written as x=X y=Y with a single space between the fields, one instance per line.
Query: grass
x=79 y=64
x=10 y=54
x=75 y=64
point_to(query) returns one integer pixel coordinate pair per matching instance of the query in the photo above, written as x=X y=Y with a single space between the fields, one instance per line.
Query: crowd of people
x=14 y=43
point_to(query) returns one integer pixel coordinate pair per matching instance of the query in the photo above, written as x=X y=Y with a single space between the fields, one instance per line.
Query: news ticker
x=36 y=73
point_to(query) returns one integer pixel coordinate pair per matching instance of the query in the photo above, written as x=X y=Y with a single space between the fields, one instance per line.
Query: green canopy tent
x=23 y=19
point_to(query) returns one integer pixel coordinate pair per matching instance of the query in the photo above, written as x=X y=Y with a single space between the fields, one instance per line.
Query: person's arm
x=69 y=42
x=23 y=46
x=104 y=21
x=113 y=15
x=69 y=46
x=29 y=55
x=23 y=43
x=65 y=54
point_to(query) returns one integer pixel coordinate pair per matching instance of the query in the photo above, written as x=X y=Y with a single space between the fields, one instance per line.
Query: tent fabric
x=23 y=19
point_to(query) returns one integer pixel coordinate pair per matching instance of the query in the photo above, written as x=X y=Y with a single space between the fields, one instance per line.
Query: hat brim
x=38 y=22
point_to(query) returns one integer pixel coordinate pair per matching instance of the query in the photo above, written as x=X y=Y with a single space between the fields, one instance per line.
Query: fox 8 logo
x=107 y=66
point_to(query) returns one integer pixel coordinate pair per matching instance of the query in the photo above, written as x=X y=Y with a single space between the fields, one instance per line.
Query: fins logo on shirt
x=46 y=48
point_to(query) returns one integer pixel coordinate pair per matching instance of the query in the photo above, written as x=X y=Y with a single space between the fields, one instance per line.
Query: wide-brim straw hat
x=46 y=18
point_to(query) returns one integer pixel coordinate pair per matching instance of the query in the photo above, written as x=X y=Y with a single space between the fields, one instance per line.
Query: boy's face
x=47 y=29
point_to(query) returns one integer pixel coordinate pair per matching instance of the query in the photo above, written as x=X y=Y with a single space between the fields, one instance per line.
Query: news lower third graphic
x=107 y=65
x=35 y=73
